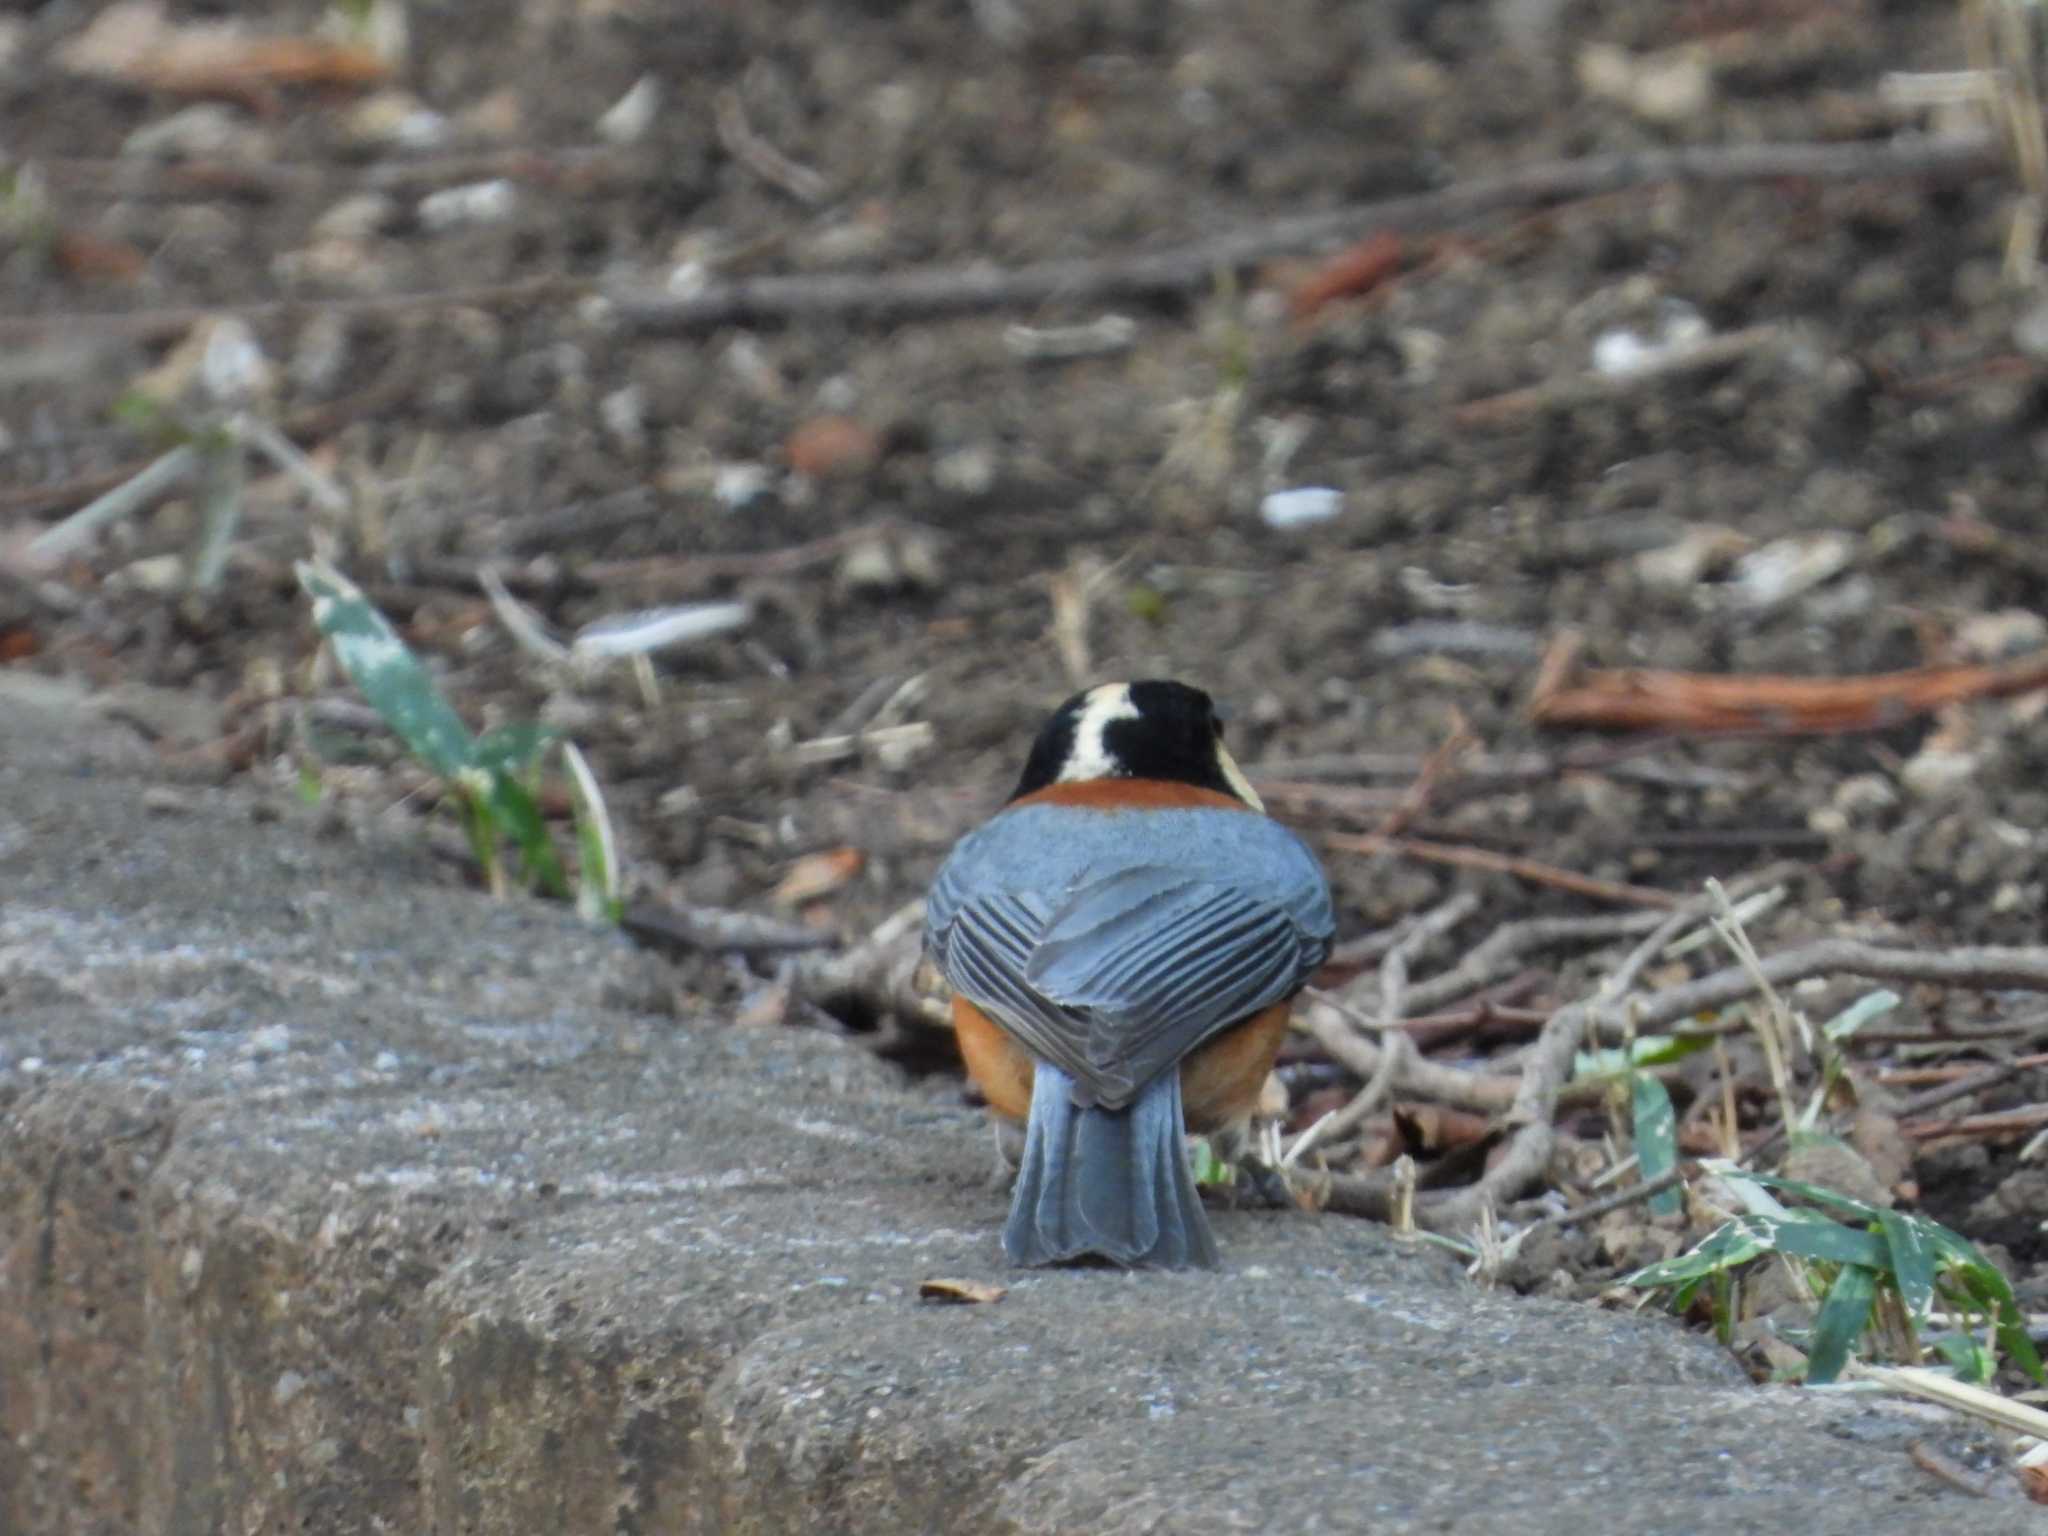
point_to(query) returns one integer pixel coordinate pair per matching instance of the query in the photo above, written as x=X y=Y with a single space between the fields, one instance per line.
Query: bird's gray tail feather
x=1109 y=1182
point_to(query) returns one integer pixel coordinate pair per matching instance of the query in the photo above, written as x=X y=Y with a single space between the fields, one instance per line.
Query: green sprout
x=1877 y=1272
x=489 y=777
x=210 y=449
x=1653 y=1121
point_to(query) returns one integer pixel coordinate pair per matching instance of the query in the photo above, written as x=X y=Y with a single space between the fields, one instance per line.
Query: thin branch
x=1546 y=1067
x=2022 y=968
x=572 y=168
x=1579 y=388
x=1594 y=1209
x=762 y=158
x=1964 y=1087
x=878 y=975
x=1534 y=871
x=169 y=323
x=2000 y=1122
x=1393 y=972
x=1501 y=953
x=1192 y=266
x=1615 y=759
x=1440 y=763
x=1394 y=1054
x=714 y=928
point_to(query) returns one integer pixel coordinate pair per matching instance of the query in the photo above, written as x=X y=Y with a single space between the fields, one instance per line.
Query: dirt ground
x=1882 y=435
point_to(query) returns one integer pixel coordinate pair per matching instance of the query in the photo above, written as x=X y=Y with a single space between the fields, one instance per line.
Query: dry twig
x=1533 y=870
x=1440 y=763
x=167 y=323
x=1699 y=702
x=1546 y=1066
x=763 y=158
x=877 y=976
x=2001 y=1122
x=1393 y=972
x=1579 y=388
x=571 y=168
x=1192 y=266
x=714 y=928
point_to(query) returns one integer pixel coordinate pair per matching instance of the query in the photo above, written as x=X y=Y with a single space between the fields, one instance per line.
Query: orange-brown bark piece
x=1355 y=270
x=1705 y=703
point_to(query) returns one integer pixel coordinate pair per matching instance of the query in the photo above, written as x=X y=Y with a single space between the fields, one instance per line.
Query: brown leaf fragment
x=961 y=1292
x=817 y=875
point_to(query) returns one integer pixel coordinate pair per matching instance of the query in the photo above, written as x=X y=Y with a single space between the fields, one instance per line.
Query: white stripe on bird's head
x=1090 y=757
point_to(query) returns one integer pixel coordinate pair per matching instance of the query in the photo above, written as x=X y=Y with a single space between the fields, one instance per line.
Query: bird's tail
x=1110 y=1182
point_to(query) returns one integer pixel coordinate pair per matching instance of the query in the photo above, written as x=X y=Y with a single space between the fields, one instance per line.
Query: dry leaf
x=827 y=447
x=136 y=43
x=1356 y=270
x=961 y=1292
x=97 y=260
x=818 y=875
x=768 y=1008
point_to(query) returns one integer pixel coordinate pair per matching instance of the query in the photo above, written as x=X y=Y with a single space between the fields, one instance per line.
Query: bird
x=1124 y=939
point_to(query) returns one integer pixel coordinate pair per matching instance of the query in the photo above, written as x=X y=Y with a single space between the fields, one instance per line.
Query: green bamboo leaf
x=597 y=886
x=1818 y=1194
x=387 y=672
x=1969 y=1359
x=1656 y=1132
x=1208 y=1168
x=1872 y=1005
x=1807 y=1235
x=1645 y=1051
x=1912 y=1261
x=1843 y=1316
x=1992 y=1292
x=518 y=816
x=482 y=832
x=1731 y=1244
x=512 y=749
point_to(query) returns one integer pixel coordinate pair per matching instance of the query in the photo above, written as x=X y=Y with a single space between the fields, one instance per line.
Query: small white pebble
x=479 y=203
x=1301 y=507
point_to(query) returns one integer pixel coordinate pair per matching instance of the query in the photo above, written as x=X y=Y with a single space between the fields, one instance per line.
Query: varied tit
x=1124 y=940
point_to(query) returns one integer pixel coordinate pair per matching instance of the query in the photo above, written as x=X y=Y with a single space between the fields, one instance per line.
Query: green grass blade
x=597 y=886
x=127 y=497
x=518 y=817
x=1656 y=1132
x=385 y=669
x=1912 y=1261
x=223 y=477
x=1842 y=1319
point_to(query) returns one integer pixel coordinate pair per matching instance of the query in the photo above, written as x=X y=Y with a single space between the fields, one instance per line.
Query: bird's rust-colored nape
x=1133 y=795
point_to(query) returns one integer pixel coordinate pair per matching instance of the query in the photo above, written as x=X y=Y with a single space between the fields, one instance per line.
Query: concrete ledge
x=334 y=1201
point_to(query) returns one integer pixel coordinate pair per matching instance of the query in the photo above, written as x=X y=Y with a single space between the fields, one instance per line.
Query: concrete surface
x=332 y=1199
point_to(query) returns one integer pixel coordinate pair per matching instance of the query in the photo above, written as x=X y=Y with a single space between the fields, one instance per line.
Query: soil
x=1893 y=418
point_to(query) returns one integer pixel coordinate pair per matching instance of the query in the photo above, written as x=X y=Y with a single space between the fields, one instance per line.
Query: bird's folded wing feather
x=1121 y=974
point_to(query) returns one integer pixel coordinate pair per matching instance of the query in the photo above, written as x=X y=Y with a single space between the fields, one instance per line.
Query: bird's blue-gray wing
x=1115 y=969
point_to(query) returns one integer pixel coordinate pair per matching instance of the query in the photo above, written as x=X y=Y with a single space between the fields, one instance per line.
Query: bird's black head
x=1152 y=729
